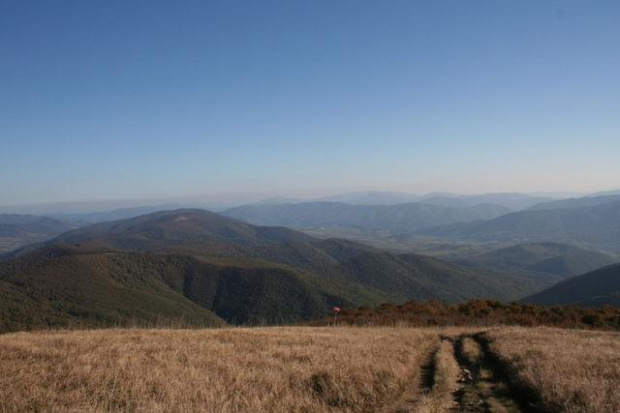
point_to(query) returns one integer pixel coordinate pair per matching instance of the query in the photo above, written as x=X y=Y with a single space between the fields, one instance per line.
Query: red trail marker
x=336 y=311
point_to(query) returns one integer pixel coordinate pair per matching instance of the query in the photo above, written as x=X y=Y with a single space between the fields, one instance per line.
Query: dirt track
x=472 y=381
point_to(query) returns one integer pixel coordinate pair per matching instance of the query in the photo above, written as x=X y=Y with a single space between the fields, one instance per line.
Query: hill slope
x=180 y=227
x=594 y=289
x=192 y=261
x=58 y=287
x=209 y=235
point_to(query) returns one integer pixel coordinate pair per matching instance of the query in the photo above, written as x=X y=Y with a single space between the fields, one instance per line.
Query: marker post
x=336 y=312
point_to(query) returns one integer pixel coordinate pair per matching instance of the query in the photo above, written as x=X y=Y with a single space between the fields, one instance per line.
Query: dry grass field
x=446 y=373
x=573 y=371
x=307 y=369
x=226 y=370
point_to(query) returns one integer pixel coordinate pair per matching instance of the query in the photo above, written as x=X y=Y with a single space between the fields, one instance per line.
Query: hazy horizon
x=226 y=200
x=224 y=100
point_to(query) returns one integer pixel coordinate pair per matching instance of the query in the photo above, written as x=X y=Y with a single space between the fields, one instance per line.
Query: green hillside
x=61 y=288
x=64 y=287
x=209 y=235
x=199 y=268
x=594 y=289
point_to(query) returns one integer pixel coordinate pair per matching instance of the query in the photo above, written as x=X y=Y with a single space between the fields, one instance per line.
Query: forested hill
x=210 y=268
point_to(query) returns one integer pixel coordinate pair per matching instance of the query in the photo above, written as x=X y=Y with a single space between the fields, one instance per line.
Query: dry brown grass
x=471 y=351
x=446 y=375
x=228 y=370
x=293 y=369
x=574 y=371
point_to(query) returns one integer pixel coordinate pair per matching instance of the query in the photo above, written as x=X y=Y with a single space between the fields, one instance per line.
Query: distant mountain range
x=14 y=225
x=513 y=201
x=594 y=289
x=398 y=218
x=201 y=267
x=596 y=226
x=370 y=198
x=374 y=211
x=571 y=203
x=88 y=218
x=18 y=230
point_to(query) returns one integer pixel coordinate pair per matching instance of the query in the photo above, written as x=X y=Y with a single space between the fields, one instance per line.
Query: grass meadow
x=297 y=369
x=219 y=370
x=573 y=371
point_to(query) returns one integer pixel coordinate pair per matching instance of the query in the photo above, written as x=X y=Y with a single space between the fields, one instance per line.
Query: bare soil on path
x=461 y=374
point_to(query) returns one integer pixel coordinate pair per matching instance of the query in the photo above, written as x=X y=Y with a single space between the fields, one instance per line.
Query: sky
x=148 y=99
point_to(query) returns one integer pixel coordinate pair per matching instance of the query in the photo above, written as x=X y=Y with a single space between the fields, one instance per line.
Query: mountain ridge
x=256 y=274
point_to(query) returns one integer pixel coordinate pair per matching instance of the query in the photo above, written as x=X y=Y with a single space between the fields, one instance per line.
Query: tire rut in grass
x=513 y=394
x=427 y=373
x=440 y=396
x=483 y=386
x=482 y=383
x=420 y=385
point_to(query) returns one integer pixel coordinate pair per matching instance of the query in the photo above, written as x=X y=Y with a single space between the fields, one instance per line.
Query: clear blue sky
x=143 y=99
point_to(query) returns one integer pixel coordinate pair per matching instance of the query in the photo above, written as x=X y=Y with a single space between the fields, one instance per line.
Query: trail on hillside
x=433 y=390
x=420 y=385
x=486 y=383
x=461 y=374
x=480 y=390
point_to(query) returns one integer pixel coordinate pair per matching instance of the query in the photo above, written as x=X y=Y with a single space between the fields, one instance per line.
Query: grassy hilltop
x=301 y=369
